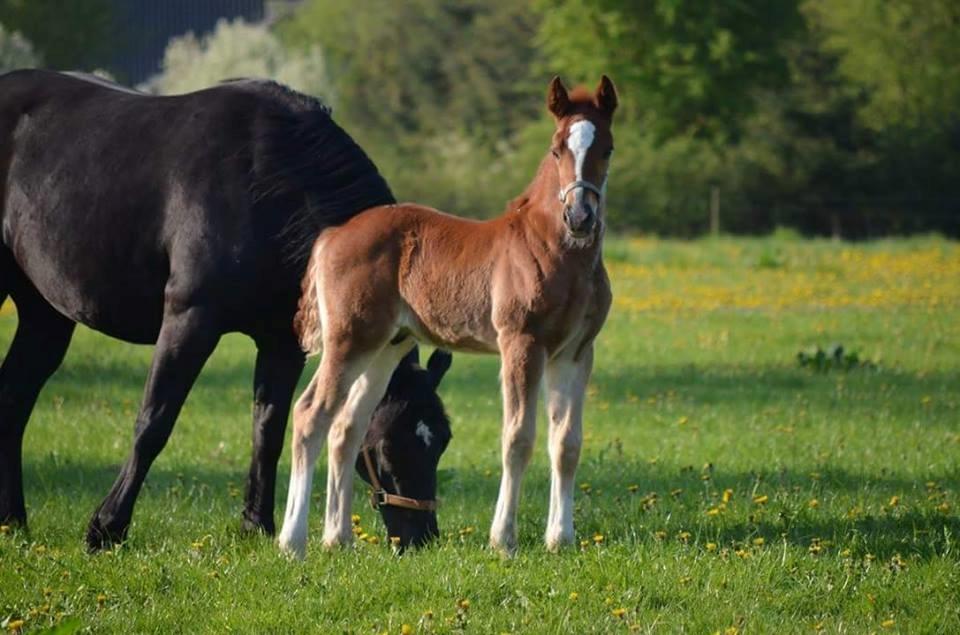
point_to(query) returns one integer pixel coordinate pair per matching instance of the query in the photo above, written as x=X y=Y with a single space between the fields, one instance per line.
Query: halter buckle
x=378 y=498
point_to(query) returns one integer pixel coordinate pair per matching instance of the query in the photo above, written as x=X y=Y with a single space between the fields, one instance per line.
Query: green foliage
x=237 y=49
x=904 y=53
x=15 y=51
x=74 y=35
x=834 y=357
x=689 y=68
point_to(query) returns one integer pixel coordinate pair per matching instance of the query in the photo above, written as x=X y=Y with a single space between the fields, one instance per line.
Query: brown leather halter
x=379 y=497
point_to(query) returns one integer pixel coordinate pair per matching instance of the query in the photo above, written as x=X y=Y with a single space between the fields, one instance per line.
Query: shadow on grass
x=915 y=529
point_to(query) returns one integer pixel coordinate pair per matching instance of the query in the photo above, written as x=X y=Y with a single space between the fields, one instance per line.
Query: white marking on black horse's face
x=425 y=433
x=579 y=140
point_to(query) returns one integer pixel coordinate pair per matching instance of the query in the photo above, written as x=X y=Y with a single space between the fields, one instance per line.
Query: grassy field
x=723 y=487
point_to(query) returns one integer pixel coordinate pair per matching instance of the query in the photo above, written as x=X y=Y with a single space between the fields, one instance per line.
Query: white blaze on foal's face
x=425 y=434
x=579 y=139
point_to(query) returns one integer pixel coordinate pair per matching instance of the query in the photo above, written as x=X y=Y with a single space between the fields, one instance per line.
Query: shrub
x=237 y=49
x=15 y=51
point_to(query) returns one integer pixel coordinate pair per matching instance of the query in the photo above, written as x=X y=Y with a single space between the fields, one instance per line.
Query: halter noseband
x=571 y=186
x=379 y=497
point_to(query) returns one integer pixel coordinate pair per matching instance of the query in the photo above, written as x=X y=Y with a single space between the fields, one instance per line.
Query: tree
x=68 y=35
x=237 y=49
x=688 y=66
x=15 y=51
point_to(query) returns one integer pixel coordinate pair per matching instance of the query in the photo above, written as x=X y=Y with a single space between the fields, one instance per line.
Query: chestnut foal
x=529 y=285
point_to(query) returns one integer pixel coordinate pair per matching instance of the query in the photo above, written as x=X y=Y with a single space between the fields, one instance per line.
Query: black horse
x=174 y=220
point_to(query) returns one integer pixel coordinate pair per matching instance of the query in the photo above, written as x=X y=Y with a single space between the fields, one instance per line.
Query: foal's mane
x=305 y=164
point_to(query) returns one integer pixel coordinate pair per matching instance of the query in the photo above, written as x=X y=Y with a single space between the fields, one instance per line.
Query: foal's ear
x=558 y=101
x=412 y=358
x=438 y=365
x=606 y=96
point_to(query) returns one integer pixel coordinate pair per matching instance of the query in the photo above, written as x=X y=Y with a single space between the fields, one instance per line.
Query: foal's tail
x=306 y=323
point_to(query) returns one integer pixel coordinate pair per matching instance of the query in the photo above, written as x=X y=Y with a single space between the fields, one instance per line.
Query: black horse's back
x=116 y=200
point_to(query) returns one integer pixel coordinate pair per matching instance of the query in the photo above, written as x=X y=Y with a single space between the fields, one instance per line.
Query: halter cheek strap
x=379 y=497
x=571 y=186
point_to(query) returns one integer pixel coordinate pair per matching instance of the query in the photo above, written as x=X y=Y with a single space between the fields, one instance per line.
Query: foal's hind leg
x=38 y=347
x=566 y=384
x=346 y=435
x=279 y=364
x=338 y=402
x=186 y=340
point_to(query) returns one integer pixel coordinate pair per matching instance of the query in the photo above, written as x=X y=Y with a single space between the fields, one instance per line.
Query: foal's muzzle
x=580 y=217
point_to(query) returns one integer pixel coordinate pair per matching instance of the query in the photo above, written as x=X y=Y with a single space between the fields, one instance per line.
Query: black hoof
x=102 y=536
x=254 y=525
x=13 y=519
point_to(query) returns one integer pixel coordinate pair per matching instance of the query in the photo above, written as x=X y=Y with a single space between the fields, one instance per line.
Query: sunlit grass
x=722 y=487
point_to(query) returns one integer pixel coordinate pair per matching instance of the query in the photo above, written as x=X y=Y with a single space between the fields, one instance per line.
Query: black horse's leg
x=38 y=347
x=278 y=368
x=186 y=340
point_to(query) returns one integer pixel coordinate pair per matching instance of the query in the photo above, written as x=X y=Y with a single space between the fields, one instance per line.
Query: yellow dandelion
x=758 y=542
x=761 y=500
x=14 y=626
x=597 y=539
x=686 y=579
x=743 y=554
x=660 y=534
x=944 y=507
x=373 y=540
x=406 y=629
x=727 y=495
x=684 y=536
x=355 y=519
x=428 y=614
x=463 y=604
x=584 y=544
x=889 y=623
x=894 y=501
x=619 y=613
x=585 y=488
x=633 y=488
x=4 y=529
x=813 y=503
x=711 y=546
x=713 y=511
x=574 y=596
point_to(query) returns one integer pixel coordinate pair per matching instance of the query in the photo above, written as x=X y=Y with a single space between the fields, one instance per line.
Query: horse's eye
x=608 y=153
x=555 y=153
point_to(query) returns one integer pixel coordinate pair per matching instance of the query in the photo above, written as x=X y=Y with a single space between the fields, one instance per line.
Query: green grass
x=696 y=391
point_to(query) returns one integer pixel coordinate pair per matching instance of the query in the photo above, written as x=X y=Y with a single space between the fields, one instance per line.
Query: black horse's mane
x=305 y=163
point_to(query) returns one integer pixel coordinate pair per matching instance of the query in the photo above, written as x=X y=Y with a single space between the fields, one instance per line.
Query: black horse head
x=408 y=433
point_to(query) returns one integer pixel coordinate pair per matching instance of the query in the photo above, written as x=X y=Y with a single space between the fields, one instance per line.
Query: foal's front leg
x=520 y=375
x=566 y=384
